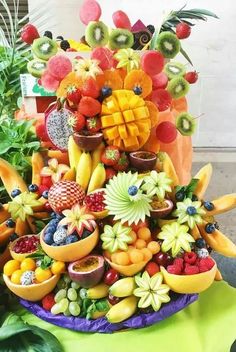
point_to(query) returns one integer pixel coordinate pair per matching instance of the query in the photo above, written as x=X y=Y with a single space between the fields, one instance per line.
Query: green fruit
x=186 y=124
x=178 y=87
x=72 y=294
x=96 y=34
x=168 y=44
x=121 y=39
x=60 y=295
x=74 y=309
x=174 y=69
x=36 y=67
x=44 y=48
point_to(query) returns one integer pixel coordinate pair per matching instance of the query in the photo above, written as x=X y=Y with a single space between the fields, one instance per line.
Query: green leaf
x=102 y=305
x=204 y=12
x=183 y=52
x=46 y=263
x=192 y=185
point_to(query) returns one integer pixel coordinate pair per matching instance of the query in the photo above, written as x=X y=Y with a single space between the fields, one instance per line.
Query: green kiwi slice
x=186 y=124
x=37 y=67
x=121 y=39
x=174 y=69
x=168 y=44
x=178 y=87
x=96 y=34
x=44 y=48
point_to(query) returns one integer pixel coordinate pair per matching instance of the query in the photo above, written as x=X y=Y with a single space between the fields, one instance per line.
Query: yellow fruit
x=96 y=155
x=164 y=163
x=136 y=256
x=204 y=177
x=133 y=235
x=122 y=258
x=139 y=244
x=28 y=264
x=84 y=169
x=154 y=247
x=42 y=275
x=98 y=178
x=15 y=277
x=74 y=153
x=122 y=310
x=144 y=233
x=58 y=268
x=147 y=254
x=10 y=267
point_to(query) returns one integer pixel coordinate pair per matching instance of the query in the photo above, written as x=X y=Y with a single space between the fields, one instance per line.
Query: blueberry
x=15 y=192
x=191 y=210
x=137 y=90
x=45 y=194
x=210 y=228
x=53 y=215
x=13 y=237
x=59 y=216
x=106 y=91
x=208 y=205
x=55 y=244
x=33 y=187
x=194 y=198
x=48 y=238
x=200 y=243
x=180 y=196
x=53 y=222
x=10 y=223
x=71 y=239
x=51 y=229
x=132 y=190
x=86 y=233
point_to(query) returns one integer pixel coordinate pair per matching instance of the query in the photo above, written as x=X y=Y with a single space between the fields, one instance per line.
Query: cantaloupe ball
x=136 y=256
x=113 y=257
x=122 y=258
x=133 y=235
x=147 y=254
x=130 y=248
x=154 y=247
x=107 y=254
x=139 y=244
x=144 y=233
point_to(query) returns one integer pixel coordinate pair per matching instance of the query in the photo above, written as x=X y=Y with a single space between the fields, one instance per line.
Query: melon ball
x=49 y=82
x=59 y=66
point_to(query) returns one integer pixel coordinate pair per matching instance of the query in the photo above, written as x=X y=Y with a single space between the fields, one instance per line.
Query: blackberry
x=64 y=44
x=59 y=37
x=86 y=233
x=48 y=34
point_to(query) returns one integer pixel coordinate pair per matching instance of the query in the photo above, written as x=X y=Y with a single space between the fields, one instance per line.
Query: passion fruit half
x=87 y=271
x=161 y=209
x=88 y=141
x=142 y=160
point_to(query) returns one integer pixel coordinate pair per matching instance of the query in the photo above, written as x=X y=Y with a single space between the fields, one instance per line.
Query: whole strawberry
x=93 y=124
x=29 y=33
x=48 y=301
x=78 y=121
x=122 y=163
x=89 y=107
x=110 y=156
x=183 y=30
x=110 y=173
x=191 y=77
x=74 y=95
x=90 y=88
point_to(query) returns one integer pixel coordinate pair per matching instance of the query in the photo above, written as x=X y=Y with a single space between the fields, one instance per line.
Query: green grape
x=83 y=293
x=74 y=309
x=56 y=309
x=67 y=313
x=64 y=304
x=79 y=301
x=72 y=294
x=60 y=295
x=67 y=279
x=75 y=285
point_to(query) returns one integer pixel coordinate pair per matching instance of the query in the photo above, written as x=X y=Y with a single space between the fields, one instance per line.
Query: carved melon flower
x=86 y=68
x=55 y=170
x=127 y=58
x=22 y=205
x=157 y=184
x=189 y=212
x=151 y=290
x=175 y=237
x=116 y=237
x=77 y=219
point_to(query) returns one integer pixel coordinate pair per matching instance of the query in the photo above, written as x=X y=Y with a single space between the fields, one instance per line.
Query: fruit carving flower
x=189 y=212
x=175 y=237
x=22 y=205
x=151 y=290
x=128 y=59
x=125 y=200
x=55 y=170
x=86 y=68
x=116 y=237
x=157 y=184
x=77 y=219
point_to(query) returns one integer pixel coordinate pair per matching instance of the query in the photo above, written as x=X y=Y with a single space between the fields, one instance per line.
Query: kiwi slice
x=186 y=124
x=178 y=87
x=168 y=44
x=44 y=48
x=37 y=67
x=121 y=39
x=174 y=69
x=96 y=34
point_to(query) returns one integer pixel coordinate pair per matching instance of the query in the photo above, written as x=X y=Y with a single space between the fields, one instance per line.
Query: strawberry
x=41 y=132
x=122 y=163
x=183 y=30
x=190 y=257
x=41 y=189
x=78 y=122
x=46 y=181
x=110 y=172
x=191 y=77
x=48 y=301
x=93 y=124
x=90 y=88
x=74 y=95
x=174 y=269
x=89 y=106
x=152 y=268
x=110 y=156
x=29 y=33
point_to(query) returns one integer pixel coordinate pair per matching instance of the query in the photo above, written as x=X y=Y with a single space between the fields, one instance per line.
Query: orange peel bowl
x=73 y=251
x=127 y=270
x=19 y=256
x=33 y=292
x=189 y=283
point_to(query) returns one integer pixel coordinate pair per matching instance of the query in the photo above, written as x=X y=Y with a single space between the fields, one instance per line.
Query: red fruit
x=191 y=77
x=111 y=276
x=191 y=269
x=121 y=20
x=162 y=99
x=89 y=106
x=122 y=163
x=174 y=269
x=48 y=301
x=203 y=268
x=162 y=259
x=152 y=62
x=41 y=189
x=160 y=81
x=152 y=268
x=104 y=56
x=79 y=121
x=95 y=201
x=113 y=300
x=139 y=225
x=59 y=66
x=110 y=172
x=46 y=181
x=49 y=82
x=29 y=33
x=179 y=262
x=41 y=132
x=47 y=206
x=74 y=95
x=190 y=257
x=110 y=156
x=71 y=50
x=183 y=30
x=166 y=132
x=93 y=124
x=208 y=262
x=90 y=11
x=90 y=88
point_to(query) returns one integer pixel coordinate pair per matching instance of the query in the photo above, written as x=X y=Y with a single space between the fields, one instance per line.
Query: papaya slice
x=31 y=223
x=204 y=177
x=22 y=227
x=40 y=207
x=152 y=144
x=164 y=163
x=222 y=204
x=195 y=233
x=4 y=214
x=10 y=177
x=37 y=165
x=5 y=232
x=61 y=157
x=4 y=257
x=41 y=215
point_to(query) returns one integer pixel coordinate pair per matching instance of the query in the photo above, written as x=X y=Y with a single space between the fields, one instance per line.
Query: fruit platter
x=112 y=231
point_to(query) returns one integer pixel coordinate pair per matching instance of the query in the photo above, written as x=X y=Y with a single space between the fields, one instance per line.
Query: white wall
x=212 y=48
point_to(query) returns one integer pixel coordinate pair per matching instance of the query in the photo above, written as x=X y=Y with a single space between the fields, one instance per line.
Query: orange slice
x=110 y=78
x=138 y=78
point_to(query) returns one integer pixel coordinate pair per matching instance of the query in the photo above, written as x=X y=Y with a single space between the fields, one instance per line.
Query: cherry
x=111 y=276
x=162 y=259
x=113 y=300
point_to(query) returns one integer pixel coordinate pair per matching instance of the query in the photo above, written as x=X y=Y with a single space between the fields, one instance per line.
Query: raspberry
x=89 y=106
x=179 y=262
x=191 y=269
x=203 y=268
x=190 y=257
x=208 y=262
x=174 y=269
x=48 y=301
